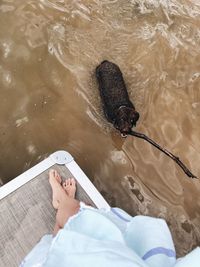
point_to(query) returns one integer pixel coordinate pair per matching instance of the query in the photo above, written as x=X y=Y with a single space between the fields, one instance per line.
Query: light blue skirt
x=113 y=238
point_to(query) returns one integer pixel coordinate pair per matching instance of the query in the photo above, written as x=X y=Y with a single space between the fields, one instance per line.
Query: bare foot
x=55 y=182
x=70 y=187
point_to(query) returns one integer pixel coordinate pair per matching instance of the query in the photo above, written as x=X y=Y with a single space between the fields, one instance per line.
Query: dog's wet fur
x=120 y=111
x=117 y=106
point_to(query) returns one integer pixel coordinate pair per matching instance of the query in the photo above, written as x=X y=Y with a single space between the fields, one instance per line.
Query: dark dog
x=116 y=104
x=118 y=108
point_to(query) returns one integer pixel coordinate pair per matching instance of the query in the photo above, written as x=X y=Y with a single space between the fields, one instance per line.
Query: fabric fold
x=111 y=238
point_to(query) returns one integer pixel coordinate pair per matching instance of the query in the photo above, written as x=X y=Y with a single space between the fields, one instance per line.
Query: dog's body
x=116 y=104
x=118 y=108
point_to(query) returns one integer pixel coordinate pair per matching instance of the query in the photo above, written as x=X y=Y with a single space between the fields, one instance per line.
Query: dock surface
x=27 y=214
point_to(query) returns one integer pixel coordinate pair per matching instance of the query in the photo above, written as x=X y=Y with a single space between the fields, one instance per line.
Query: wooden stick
x=169 y=154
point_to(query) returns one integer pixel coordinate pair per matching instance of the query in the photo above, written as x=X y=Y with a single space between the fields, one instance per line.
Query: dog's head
x=126 y=118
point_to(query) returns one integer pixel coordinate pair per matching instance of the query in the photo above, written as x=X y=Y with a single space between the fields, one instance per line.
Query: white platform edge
x=25 y=177
x=88 y=186
x=73 y=167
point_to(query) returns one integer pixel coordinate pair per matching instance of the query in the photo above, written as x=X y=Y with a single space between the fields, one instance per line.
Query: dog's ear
x=116 y=123
x=134 y=116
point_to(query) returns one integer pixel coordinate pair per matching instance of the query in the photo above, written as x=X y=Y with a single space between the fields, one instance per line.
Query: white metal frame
x=61 y=158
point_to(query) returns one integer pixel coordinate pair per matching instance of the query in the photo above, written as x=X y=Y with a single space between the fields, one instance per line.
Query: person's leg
x=63 y=200
x=70 y=188
x=66 y=209
x=55 y=180
x=56 y=229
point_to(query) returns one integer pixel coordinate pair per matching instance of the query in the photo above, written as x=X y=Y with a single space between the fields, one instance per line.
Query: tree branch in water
x=169 y=154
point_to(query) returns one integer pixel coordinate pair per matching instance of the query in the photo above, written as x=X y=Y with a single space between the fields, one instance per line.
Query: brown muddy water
x=49 y=99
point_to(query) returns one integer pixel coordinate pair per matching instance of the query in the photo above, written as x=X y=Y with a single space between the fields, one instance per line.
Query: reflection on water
x=49 y=98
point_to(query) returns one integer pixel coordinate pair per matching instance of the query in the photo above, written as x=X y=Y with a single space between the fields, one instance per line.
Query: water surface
x=49 y=98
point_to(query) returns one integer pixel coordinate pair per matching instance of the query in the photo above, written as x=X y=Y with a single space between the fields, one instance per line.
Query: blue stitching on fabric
x=119 y=215
x=159 y=250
